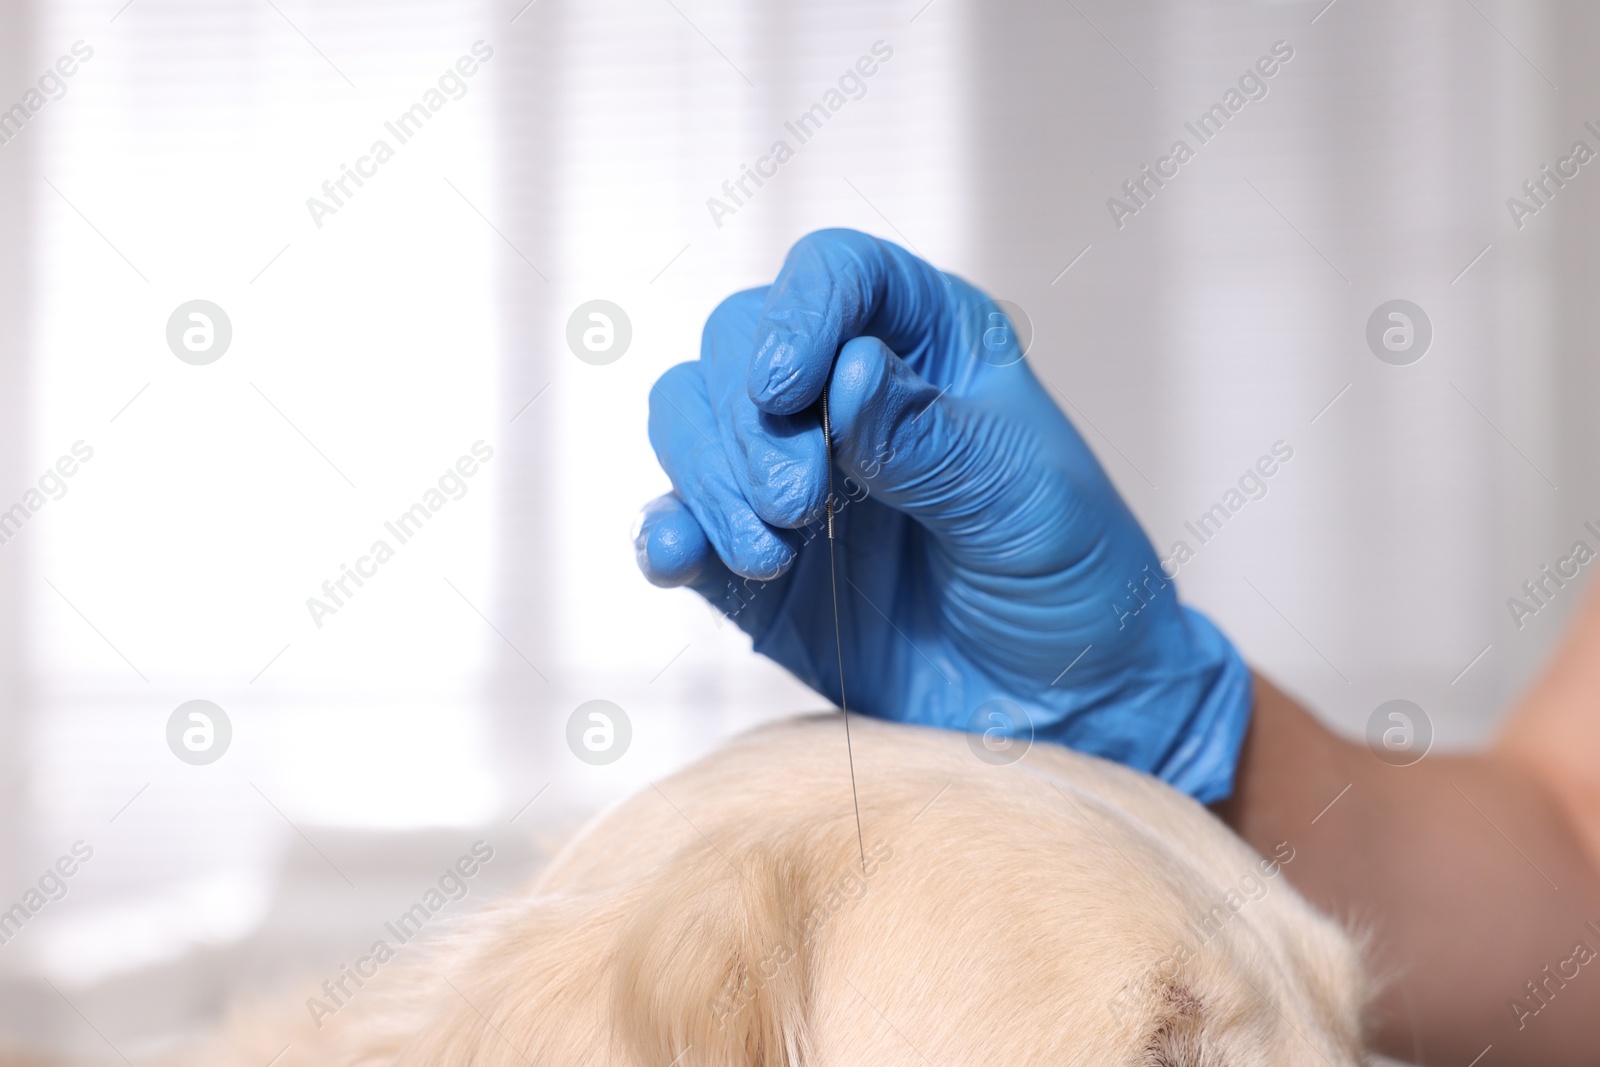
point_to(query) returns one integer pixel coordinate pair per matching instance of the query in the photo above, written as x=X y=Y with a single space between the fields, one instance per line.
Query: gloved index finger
x=832 y=285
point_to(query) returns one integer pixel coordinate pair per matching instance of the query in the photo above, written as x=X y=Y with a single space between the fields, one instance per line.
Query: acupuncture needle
x=838 y=635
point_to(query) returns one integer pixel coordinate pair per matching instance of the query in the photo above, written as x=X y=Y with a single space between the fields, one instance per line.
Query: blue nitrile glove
x=982 y=550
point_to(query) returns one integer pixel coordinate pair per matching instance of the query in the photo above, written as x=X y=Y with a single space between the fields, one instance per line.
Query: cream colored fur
x=1031 y=914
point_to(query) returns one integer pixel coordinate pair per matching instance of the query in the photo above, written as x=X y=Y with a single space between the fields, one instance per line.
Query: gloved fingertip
x=776 y=380
x=670 y=546
x=759 y=554
x=881 y=411
x=790 y=496
x=860 y=375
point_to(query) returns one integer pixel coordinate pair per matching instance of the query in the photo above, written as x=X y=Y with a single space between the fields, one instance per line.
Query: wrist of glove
x=1183 y=723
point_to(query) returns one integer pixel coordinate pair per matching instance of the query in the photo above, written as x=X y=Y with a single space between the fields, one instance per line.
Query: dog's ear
x=715 y=969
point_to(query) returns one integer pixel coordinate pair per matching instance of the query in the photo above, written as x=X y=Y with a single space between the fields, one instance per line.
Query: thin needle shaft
x=838 y=635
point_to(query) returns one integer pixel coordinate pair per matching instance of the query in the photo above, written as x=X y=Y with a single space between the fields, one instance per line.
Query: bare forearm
x=1554 y=731
x=1465 y=871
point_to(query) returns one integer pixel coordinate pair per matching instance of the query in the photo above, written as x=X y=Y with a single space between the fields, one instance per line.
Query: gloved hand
x=983 y=554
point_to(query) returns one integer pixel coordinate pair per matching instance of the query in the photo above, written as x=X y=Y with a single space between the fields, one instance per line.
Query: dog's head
x=1059 y=911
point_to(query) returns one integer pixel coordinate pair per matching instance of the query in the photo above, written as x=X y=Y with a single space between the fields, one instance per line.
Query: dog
x=1053 y=909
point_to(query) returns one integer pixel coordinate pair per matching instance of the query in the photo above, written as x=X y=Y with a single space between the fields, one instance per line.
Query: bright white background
x=370 y=353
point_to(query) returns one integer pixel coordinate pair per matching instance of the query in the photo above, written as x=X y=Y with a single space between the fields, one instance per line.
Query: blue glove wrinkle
x=776 y=459
x=783 y=463
x=965 y=471
x=797 y=330
x=835 y=285
x=703 y=480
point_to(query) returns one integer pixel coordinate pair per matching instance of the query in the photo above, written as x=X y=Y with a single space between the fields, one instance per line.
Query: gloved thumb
x=975 y=478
